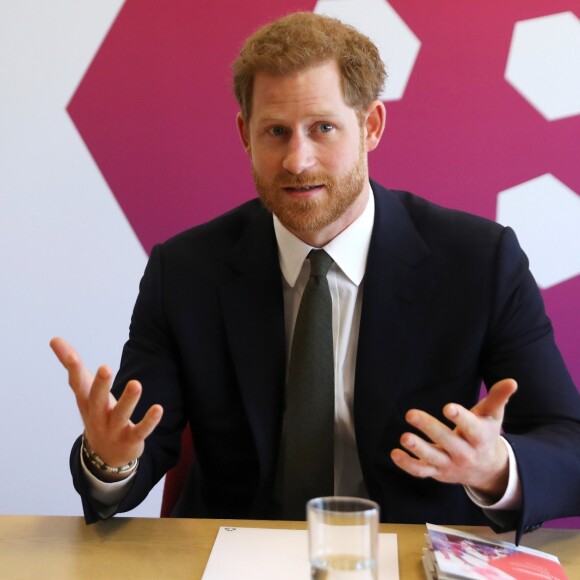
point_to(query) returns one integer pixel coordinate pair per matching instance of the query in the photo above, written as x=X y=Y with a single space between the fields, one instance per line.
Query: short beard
x=309 y=215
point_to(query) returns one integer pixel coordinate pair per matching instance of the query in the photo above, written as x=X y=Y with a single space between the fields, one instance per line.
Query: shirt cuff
x=512 y=498
x=107 y=494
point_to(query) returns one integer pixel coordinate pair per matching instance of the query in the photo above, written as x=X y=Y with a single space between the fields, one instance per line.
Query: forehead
x=311 y=90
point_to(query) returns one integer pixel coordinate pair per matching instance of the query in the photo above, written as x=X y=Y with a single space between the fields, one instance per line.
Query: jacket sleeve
x=150 y=356
x=542 y=420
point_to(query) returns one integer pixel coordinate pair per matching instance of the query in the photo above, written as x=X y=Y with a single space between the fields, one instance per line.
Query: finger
x=434 y=429
x=412 y=465
x=63 y=351
x=79 y=378
x=100 y=399
x=424 y=451
x=469 y=426
x=151 y=419
x=490 y=408
x=448 y=445
x=123 y=409
x=493 y=405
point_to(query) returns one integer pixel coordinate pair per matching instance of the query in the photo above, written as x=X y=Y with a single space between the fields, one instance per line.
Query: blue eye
x=326 y=127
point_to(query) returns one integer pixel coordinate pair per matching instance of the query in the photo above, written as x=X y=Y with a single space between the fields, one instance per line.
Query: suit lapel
x=253 y=310
x=397 y=285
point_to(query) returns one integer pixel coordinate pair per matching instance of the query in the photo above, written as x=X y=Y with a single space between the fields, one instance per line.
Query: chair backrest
x=175 y=477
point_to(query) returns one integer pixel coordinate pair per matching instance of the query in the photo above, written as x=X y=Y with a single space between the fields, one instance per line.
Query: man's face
x=308 y=152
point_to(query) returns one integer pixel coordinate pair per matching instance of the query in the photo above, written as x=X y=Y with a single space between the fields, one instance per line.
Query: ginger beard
x=310 y=215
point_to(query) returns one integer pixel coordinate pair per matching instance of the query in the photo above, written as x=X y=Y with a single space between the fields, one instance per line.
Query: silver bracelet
x=97 y=462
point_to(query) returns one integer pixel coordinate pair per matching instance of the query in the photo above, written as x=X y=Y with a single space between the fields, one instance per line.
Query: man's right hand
x=108 y=426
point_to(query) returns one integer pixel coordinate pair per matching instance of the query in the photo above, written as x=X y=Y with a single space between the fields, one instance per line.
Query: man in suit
x=426 y=303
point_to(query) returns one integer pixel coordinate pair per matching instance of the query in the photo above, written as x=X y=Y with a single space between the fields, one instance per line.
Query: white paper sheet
x=263 y=553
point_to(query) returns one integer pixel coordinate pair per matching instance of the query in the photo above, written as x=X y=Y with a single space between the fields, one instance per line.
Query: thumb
x=493 y=405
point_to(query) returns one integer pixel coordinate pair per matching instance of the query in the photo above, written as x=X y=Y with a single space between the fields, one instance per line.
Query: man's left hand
x=471 y=453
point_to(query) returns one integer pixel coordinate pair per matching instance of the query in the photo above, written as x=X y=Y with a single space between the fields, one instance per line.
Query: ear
x=375 y=119
x=244 y=132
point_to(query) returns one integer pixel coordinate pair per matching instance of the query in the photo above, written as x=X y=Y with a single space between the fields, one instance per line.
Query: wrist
x=100 y=469
x=496 y=485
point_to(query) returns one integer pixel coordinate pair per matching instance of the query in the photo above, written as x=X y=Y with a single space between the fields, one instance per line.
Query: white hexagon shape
x=545 y=214
x=544 y=64
x=397 y=44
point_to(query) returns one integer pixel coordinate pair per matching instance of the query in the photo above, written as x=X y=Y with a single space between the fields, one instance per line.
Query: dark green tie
x=306 y=463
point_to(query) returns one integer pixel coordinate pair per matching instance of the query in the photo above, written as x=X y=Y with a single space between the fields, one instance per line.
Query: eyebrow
x=277 y=119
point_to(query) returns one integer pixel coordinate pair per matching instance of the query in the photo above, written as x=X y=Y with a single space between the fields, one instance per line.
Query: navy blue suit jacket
x=448 y=301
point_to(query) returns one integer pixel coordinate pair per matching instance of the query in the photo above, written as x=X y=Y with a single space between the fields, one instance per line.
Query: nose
x=299 y=155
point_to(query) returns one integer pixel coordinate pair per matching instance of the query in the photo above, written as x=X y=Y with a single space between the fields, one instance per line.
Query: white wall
x=70 y=263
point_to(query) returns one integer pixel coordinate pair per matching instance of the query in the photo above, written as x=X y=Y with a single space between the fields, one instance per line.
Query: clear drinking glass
x=343 y=535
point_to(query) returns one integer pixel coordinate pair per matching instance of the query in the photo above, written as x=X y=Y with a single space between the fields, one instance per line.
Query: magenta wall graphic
x=473 y=120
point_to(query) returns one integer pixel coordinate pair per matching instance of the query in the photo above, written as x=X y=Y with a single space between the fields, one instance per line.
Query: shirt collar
x=349 y=249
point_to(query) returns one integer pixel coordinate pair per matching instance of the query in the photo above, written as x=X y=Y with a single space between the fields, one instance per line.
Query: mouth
x=303 y=189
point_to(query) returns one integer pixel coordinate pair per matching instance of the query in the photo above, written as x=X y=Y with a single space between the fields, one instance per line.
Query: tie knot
x=320 y=263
